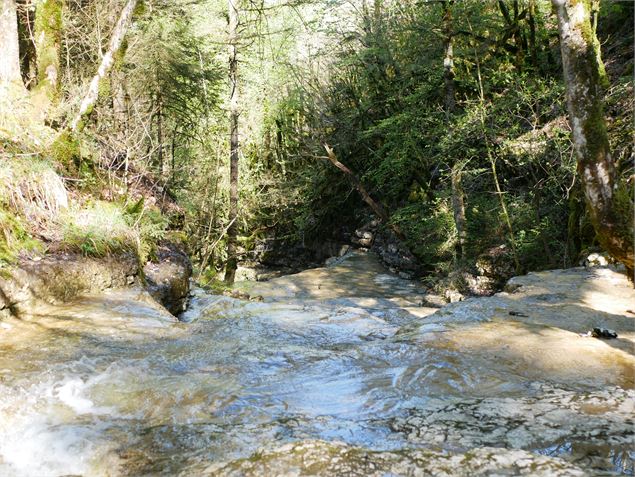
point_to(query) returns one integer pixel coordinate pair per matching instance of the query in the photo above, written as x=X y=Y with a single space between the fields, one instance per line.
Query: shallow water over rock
x=338 y=372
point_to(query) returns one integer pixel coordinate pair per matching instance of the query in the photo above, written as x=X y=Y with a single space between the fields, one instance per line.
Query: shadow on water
x=600 y=458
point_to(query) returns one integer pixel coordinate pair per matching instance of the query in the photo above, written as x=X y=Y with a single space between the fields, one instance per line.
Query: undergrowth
x=37 y=208
x=15 y=239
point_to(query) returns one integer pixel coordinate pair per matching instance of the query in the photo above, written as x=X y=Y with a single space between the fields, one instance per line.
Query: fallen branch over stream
x=379 y=210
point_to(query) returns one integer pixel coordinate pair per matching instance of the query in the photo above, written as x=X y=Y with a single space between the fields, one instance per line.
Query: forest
x=450 y=115
x=317 y=153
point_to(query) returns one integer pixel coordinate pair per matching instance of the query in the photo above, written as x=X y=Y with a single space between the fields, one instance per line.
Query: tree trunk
x=9 y=43
x=120 y=109
x=234 y=112
x=107 y=61
x=531 y=21
x=518 y=39
x=28 y=57
x=458 y=196
x=574 y=235
x=458 y=208
x=160 y=157
x=448 y=60
x=584 y=75
x=48 y=43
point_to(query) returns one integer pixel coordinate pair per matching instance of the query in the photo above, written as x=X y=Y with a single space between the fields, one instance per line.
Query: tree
x=234 y=112
x=48 y=41
x=448 y=60
x=107 y=61
x=584 y=77
x=458 y=196
x=9 y=44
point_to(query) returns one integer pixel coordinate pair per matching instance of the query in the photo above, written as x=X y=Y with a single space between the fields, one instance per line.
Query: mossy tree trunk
x=458 y=196
x=448 y=60
x=458 y=209
x=584 y=77
x=234 y=113
x=48 y=43
x=9 y=43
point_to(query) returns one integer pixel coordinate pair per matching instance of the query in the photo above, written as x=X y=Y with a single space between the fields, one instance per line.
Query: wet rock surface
x=392 y=252
x=601 y=418
x=60 y=277
x=339 y=371
x=168 y=277
x=336 y=459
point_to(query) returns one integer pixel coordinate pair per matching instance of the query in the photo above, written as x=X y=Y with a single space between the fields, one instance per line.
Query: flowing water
x=339 y=371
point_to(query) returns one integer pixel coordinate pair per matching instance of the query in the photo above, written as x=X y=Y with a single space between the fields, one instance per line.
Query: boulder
x=453 y=296
x=497 y=264
x=60 y=277
x=459 y=284
x=363 y=238
x=595 y=260
x=246 y=273
x=168 y=277
x=395 y=254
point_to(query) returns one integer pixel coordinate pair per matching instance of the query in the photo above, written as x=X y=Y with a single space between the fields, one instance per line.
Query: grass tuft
x=97 y=230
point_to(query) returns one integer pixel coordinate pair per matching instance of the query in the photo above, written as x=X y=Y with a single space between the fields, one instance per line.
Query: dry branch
x=379 y=210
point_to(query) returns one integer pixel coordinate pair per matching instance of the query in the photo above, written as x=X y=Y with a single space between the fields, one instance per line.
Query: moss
x=595 y=131
x=590 y=38
x=178 y=237
x=140 y=9
x=211 y=282
x=14 y=238
x=120 y=54
x=48 y=34
x=624 y=210
x=65 y=150
x=105 y=89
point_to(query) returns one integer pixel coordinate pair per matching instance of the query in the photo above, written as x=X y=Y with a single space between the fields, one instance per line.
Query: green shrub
x=429 y=230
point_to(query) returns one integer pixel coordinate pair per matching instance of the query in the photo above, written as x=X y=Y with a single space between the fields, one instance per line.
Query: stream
x=337 y=371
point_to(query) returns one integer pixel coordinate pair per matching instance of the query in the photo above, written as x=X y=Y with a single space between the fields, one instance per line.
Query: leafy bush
x=429 y=230
x=149 y=226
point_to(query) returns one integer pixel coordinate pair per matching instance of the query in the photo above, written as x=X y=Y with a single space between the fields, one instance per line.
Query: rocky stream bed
x=343 y=370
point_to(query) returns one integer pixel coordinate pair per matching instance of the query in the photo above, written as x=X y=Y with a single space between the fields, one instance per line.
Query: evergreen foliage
x=370 y=79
